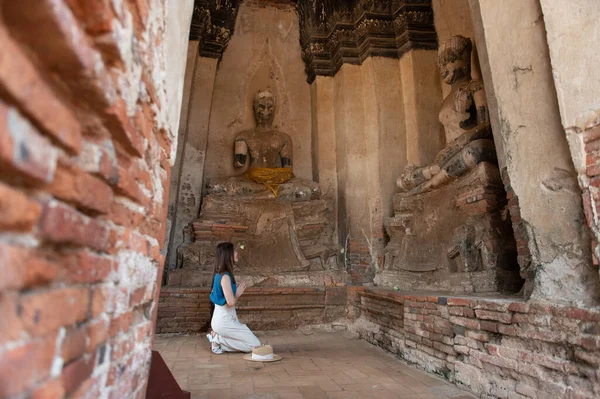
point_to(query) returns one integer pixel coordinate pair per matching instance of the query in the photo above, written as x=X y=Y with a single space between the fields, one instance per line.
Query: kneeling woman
x=228 y=333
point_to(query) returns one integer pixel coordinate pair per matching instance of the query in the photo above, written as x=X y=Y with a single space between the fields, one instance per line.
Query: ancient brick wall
x=590 y=184
x=85 y=153
x=187 y=310
x=499 y=348
x=359 y=261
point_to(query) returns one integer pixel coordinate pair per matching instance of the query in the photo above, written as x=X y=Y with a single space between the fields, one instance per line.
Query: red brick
x=478 y=336
x=143 y=331
x=77 y=372
x=129 y=187
x=97 y=331
x=64 y=225
x=120 y=324
x=591 y=134
x=23 y=151
x=468 y=323
x=518 y=307
x=82 y=189
x=579 y=314
x=505 y=318
x=124 y=216
x=140 y=296
x=461 y=311
x=21 y=268
x=489 y=326
x=49 y=390
x=50 y=29
x=44 y=312
x=11 y=328
x=97 y=15
x=100 y=160
x=507 y=330
x=74 y=344
x=122 y=347
x=120 y=122
x=86 y=267
x=19 y=78
x=459 y=302
x=591 y=343
x=103 y=300
x=89 y=389
x=24 y=366
x=17 y=212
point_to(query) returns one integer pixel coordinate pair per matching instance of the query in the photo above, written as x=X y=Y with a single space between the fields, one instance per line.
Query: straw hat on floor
x=263 y=353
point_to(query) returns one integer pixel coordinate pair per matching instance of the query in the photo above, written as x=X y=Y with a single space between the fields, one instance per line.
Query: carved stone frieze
x=333 y=32
x=212 y=25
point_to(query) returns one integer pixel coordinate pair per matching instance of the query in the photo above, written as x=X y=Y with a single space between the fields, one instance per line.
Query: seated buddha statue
x=268 y=155
x=464 y=115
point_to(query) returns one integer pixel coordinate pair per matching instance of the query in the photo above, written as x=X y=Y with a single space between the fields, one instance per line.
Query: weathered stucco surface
x=573 y=32
x=177 y=29
x=192 y=56
x=517 y=71
x=422 y=99
x=184 y=207
x=264 y=52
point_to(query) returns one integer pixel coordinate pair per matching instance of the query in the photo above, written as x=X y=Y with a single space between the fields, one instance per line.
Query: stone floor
x=314 y=365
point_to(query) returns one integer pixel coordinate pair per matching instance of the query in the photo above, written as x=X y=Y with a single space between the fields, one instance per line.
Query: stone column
x=385 y=134
x=192 y=152
x=422 y=99
x=370 y=139
x=324 y=147
x=554 y=249
x=572 y=30
x=190 y=69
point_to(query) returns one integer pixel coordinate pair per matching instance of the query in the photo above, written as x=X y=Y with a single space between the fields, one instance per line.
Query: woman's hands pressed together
x=241 y=288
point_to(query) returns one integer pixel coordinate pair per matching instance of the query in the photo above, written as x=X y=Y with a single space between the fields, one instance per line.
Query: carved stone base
x=453 y=239
x=279 y=242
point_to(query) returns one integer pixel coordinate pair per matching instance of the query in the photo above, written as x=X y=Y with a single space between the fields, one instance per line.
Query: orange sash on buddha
x=270 y=177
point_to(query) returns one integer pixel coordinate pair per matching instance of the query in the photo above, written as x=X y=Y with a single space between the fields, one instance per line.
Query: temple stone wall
x=554 y=250
x=89 y=105
x=264 y=52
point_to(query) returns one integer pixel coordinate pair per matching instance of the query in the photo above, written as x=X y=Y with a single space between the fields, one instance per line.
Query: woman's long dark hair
x=224 y=260
x=223 y=263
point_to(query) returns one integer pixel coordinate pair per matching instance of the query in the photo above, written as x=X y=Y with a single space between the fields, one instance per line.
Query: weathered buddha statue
x=464 y=115
x=270 y=150
x=268 y=155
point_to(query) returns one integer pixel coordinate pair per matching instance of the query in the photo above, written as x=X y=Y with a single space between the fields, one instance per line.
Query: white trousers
x=232 y=335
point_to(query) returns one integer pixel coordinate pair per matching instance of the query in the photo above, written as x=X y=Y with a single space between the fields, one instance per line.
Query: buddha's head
x=264 y=107
x=454 y=59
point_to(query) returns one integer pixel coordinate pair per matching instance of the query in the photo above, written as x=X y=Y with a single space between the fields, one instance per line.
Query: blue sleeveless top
x=216 y=295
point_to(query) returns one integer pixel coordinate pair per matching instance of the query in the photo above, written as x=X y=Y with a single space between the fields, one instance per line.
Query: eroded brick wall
x=187 y=310
x=590 y=184
x=499 y=348
x=85 y=147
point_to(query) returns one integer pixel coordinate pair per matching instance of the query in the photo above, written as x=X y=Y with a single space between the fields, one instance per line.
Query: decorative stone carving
x=448 y=232
x=333 y=32
x=212 y=25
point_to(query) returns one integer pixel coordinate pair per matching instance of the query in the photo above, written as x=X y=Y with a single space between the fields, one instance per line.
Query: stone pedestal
x=288 y=241
x=453 y=239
